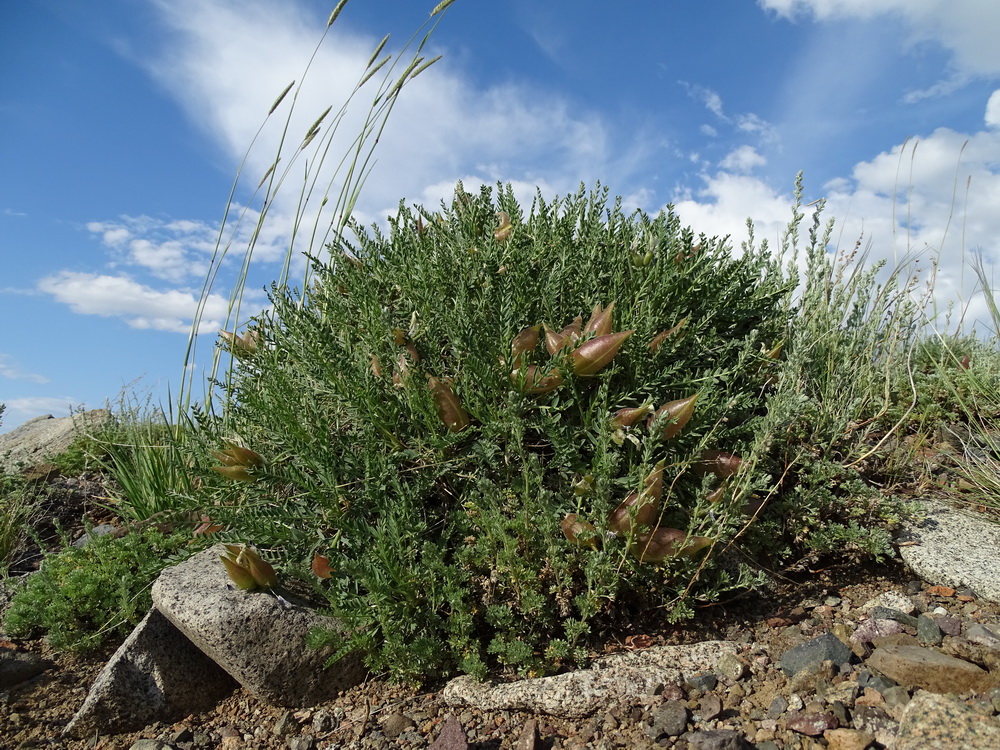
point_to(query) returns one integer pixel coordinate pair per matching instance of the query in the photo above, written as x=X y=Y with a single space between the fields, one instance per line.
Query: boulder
x=43 y=437
x=156 y=675
x=255 y=636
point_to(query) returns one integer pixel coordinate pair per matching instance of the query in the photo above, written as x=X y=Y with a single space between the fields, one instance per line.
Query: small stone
x=896 y=699
x=826 y=647
x=396 y=723
x=931 y=719
x=528 y=739
x=322 y=721
x=716 y=739
x=987 y=636
x=149 y=745
x=914 y=587
x=703 y=681
x=944 y=591
x=283 y=725
x=731 y=668
x=795 y=703
x=928 y=632
x=914 y=666
x=735 y=695
x=778 y=706
x=302 y=742
x=848 y=739
x=452 y=736
x=871 y=629
x=832 y=601
x=19 y=666
x=711 y=706
x=669 y=720
x=811 y=724
x=890 y=600
x=875 y=720
x=839 y=709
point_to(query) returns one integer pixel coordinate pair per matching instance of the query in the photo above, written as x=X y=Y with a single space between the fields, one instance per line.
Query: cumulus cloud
x=992 y=116
x=139 y=305
x=966 y=29
x=931 y=198
x=229 y=61
x=742 y=159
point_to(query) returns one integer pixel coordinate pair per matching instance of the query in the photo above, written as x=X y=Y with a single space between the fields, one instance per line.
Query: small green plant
x=151 y=461
x=18 y=507
x=81 y=596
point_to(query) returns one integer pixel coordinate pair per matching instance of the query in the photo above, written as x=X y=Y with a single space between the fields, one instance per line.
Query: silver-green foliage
x=446 y=546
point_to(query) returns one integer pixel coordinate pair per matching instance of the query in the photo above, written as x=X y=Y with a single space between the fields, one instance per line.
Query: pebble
x=669 y=719
x=703 y=681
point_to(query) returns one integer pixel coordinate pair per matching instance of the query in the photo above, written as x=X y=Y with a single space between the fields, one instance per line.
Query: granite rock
x=255 y=636
x=155 y=675
x=938 y=722
x=612 y=682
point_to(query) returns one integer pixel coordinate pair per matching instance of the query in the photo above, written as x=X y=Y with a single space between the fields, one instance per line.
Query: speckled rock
x=257 y=638
x=612 y=682
x=937 y=722
x=915 y=666
x=954 y=548
x=43 y=437
x=155 y=675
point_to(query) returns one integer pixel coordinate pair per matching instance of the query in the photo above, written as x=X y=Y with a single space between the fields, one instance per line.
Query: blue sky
x=123 y=122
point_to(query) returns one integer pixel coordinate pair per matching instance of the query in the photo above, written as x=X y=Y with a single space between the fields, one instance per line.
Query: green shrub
x=446 y=544
x=80 y=596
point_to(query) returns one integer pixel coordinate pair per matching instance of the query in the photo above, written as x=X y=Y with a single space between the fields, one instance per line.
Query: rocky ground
x=804 y=677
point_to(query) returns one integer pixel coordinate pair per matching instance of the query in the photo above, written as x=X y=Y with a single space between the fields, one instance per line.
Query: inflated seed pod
x=629 y=417
x=600 y=320
x=672 y=416
x=662 y=543
x=662 y=336
x=503 y=231
x=720 y=463
x=579 y=532
x=448 y=407
x=638 y=509
x=533 y=380
x=593 y=355
x=525 y=341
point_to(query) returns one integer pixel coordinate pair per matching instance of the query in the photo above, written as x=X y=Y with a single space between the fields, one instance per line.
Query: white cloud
x=20 y=410
x=140 y=306
x=743 y=159
x=726 y=201
x=230 y=61
x=992 y=116
x=966 y=28
x=11 y=370
x=932 y=198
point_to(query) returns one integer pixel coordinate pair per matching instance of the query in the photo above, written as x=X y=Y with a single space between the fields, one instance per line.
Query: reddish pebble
x=945 y=591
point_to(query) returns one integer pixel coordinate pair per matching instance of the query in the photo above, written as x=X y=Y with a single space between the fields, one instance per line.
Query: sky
x=124 y=123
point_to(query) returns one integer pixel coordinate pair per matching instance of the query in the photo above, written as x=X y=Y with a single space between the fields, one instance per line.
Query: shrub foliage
x=406 y=443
